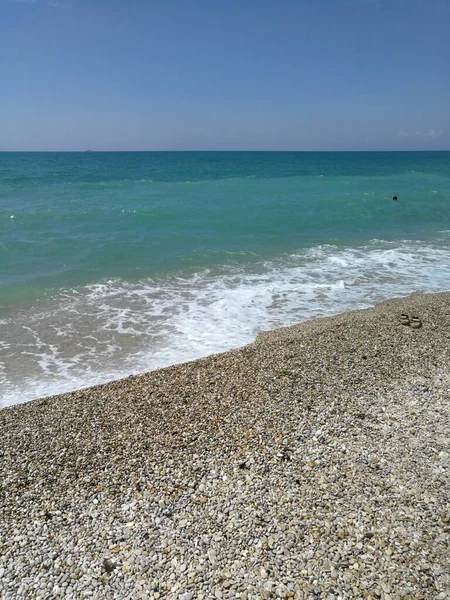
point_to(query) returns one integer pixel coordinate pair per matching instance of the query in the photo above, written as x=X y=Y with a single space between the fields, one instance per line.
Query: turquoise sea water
x=116 y=263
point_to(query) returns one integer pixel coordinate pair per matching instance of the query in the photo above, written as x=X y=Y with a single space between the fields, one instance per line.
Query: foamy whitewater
x=88 y=301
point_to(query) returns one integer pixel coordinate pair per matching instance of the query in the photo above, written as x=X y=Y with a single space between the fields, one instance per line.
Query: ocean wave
x=113 y=328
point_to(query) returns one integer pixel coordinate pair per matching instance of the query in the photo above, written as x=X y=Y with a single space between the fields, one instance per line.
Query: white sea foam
x=112 y=329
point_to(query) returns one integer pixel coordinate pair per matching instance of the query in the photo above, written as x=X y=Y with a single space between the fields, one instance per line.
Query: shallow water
x=116 y=263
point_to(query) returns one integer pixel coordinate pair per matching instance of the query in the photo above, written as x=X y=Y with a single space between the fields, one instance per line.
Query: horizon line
x=89 y=151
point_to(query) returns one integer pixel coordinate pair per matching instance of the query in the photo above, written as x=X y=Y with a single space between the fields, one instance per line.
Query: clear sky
x=224 y=74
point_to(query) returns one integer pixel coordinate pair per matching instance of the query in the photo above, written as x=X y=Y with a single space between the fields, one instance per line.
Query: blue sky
x=224 y=75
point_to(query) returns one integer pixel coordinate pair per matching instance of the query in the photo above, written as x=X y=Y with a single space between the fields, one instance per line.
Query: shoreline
x=279 y=331
x=312 y=461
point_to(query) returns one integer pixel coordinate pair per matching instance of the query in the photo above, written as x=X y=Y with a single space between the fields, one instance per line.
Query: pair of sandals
x=413 y=322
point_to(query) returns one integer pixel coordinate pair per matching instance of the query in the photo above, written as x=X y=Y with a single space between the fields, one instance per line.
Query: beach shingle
x=313 y=463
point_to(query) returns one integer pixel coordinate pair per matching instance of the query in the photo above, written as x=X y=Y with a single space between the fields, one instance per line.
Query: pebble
x=301 y=466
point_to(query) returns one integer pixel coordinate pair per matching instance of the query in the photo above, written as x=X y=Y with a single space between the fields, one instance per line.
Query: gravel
x=311 y=464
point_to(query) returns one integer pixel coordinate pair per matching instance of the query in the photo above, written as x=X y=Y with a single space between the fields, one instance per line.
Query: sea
x=122 y=262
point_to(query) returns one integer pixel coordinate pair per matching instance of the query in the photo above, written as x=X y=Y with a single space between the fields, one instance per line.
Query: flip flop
x=404 y=319
x=416 y=323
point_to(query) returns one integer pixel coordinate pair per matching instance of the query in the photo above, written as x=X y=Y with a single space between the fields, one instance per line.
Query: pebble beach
x=311 y=464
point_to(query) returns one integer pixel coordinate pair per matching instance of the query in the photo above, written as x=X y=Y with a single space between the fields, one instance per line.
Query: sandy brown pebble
x=313 y=463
